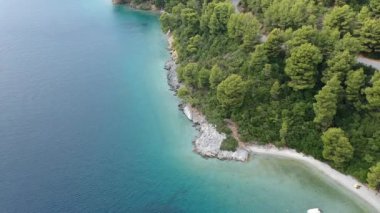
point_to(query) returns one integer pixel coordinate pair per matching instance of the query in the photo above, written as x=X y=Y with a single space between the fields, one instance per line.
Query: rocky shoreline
x=209 y=140
x=142 y=6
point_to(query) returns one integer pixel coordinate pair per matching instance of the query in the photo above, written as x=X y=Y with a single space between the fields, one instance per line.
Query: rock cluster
x=171 y=66
x=171 y=75
x=209 y=140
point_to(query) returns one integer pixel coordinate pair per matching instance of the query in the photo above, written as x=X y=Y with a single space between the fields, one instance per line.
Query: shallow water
x=87 y=124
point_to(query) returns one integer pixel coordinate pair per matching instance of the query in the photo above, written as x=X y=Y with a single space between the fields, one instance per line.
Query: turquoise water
x=87 y=124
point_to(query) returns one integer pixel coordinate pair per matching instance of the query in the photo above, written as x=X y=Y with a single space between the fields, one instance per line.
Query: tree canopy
x=373 y=177
x=327 y=102
x=336 y=146
x=231 y=92
x=286 y=72
x=301 y=66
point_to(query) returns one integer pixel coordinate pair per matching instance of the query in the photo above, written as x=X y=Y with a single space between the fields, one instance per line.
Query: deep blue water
x=87 y=124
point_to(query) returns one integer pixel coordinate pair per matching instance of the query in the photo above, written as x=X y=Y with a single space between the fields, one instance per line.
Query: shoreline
x=151 y=8
x=366 y=194
x=207 y=142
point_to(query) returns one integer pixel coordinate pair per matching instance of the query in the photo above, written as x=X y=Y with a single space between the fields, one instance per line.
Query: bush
x=229 y=144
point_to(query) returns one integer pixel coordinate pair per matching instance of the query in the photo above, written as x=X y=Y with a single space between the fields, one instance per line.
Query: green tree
x=231 y=92
x=188 y=73
x=373 y=92
x=183 y=92
x=364 y=14
x=219 y=18
x=290 y=14
x=374 y=6
x=339 y=65
x=336 y=146
x=350 y=43
x=370 y=35
x=327 y=39
x=259 y=58
x=203 y=78
x=189 y=21
x=283 y=131
x=166 y=20
x=176 y=15
x=341 y=18
x=216 y=76
x=256 y=6
x=273 y=44
x=275 y=90
x=306 y=34
x=301 y=66
x=206 y=16
x=170 y=4
x=326 y=102
x=354 y=83
x=373 y=177
x=244 y=28
x=194 y=44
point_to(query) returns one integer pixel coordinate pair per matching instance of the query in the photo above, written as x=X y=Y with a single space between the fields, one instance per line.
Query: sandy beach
x=368 y=195
x=348 y=182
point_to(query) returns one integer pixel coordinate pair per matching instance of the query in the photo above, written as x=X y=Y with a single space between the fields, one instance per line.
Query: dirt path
x=369 y=62
x=235 y=132
x=236 y=3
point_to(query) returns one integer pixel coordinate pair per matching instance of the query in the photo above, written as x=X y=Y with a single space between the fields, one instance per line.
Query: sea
x=88 y=124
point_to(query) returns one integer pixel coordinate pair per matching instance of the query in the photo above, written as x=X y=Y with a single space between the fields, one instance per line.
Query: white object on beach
x=315 y=210
x=344 y=180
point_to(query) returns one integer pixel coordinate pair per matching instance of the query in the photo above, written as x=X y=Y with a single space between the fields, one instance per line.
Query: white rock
x=187 y=112
x=209 y=139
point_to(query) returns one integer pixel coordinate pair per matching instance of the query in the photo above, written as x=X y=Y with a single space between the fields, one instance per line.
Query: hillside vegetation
x=302 y=88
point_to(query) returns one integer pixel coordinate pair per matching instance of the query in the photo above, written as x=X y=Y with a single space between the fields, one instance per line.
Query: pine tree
x=354 y=83
x=259 y=58
x=301 y=66
x=341 y=18
x=373 y=177
x=336 y=146
x=231 y=92
x=370 y=35
x=339 y=65
x=244 y=28
x=219 y=18
x=216 y=76
x=326 y=102
x=373 y=92
x=374 y=6
x=273 y=44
